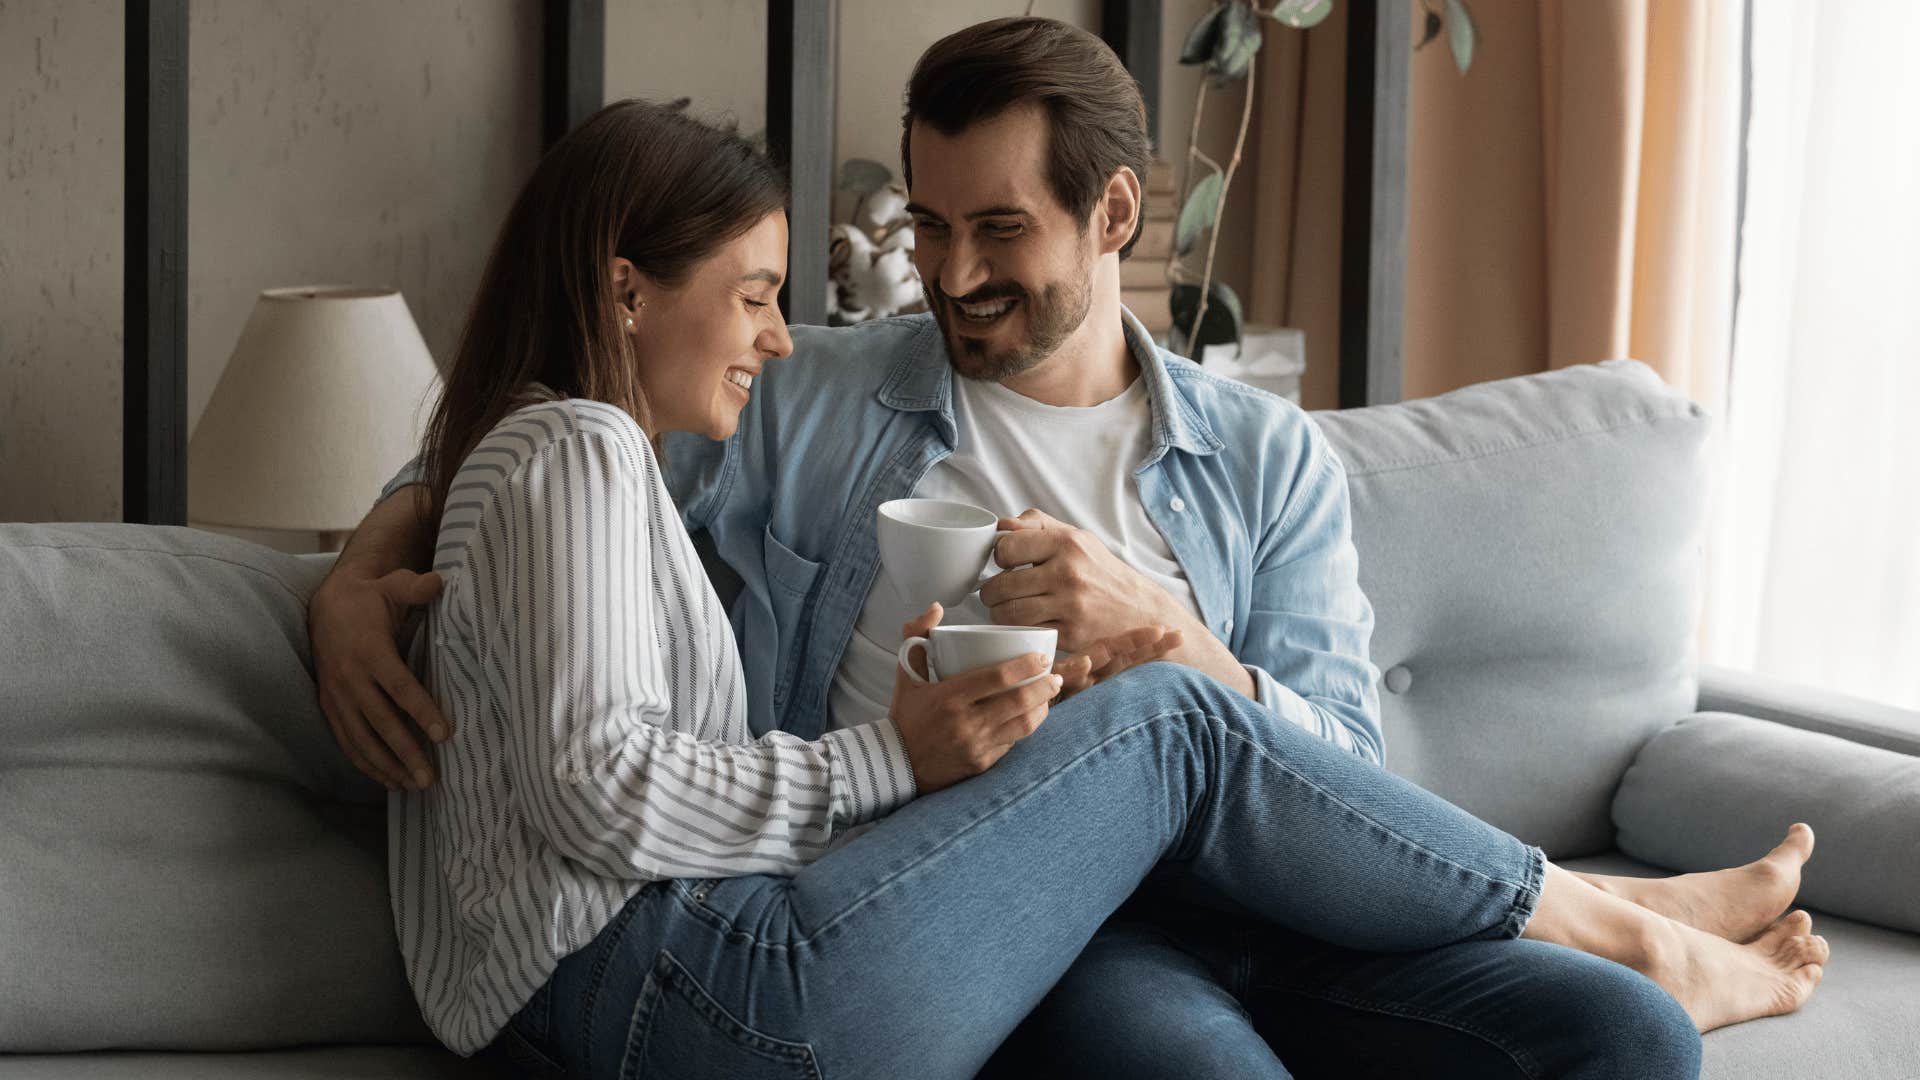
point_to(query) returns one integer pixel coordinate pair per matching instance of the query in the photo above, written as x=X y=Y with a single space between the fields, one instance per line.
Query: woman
x=614 y=876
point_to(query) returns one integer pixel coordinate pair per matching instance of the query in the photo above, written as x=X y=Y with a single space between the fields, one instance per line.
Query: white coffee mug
x=933 y=549
x=957 y=650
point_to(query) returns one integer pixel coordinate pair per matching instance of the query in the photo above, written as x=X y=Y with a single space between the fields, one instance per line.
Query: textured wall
x=713 y=51
x=61 y=146
x=359 y=142
x=329 y=141
x=340 y=141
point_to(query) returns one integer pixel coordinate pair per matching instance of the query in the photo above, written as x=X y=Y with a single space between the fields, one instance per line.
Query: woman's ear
x=1119 y=210
x=629 y=287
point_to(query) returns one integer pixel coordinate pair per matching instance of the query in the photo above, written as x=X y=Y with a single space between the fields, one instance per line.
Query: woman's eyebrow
x=771 y=277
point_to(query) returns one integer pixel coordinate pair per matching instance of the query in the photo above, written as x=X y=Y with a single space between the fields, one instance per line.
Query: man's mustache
x=984 y=294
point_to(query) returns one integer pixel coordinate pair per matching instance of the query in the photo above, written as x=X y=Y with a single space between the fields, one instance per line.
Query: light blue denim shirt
x=1241 y=483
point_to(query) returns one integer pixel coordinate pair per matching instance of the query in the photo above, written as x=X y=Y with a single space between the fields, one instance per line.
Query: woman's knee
x=1623 y=1024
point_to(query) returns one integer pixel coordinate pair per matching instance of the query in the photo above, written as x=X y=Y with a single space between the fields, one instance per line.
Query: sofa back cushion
x=1532 y=548
x=186 y=860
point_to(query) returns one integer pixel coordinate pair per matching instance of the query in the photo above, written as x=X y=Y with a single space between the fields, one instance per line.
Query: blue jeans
x=918 y=947
x=1174 y=990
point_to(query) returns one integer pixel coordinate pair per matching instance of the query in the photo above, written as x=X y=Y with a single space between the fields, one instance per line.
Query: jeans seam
x=1520 y=1058
x=1050 y=778
x=1363 y=816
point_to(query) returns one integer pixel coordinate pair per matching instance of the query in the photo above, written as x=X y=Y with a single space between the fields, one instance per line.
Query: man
x=1153 y=493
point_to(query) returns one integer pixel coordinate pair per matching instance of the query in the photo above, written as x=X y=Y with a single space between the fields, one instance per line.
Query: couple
x=627 y=851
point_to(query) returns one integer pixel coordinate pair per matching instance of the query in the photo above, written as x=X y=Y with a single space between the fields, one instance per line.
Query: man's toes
x=1801 y=951
x=1795 y=924
x=1798 y=846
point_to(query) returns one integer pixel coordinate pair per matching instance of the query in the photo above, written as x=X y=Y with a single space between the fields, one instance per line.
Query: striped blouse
x=599 y=717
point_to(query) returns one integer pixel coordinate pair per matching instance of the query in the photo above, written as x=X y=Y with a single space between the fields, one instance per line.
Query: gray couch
x=191 y=877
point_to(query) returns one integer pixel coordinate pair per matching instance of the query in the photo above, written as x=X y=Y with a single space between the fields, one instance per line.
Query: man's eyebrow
x=991 y=211
x=998 y=211
x=771 y=277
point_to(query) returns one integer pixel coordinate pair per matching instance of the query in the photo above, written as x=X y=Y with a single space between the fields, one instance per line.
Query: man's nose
x=963 y=270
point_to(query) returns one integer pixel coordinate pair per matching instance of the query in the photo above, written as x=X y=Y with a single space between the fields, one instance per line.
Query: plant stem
x=1219 y=207
x=1186 y=181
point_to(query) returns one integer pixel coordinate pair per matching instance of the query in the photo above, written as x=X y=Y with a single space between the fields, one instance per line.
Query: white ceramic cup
x=956 y=650
x=933 y=549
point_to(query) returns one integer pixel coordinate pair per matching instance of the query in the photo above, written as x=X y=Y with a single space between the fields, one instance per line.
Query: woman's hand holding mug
x=959 y=726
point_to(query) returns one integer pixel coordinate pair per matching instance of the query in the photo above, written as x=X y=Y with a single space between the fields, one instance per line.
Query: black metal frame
x=1131 y=28
x=1373 y=225
x=801 y=43
x=153 y=458
x=573 y=82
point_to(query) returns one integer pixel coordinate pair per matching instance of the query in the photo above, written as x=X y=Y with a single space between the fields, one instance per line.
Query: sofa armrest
x=1716 y=790
x=1870 y=723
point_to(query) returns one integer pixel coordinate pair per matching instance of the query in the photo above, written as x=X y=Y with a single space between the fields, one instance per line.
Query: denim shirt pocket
x=791 y=578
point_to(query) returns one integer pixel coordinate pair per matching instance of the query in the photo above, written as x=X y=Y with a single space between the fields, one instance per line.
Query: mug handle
x=993 y=553
x=906 y=663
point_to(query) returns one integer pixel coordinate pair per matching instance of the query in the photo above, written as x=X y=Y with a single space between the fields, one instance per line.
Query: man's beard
x=1051 y=318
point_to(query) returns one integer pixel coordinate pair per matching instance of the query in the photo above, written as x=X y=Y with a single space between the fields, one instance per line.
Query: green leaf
x=1203 y=203
x=864 y=176
x=1239 y=40
x=1199 y=46
x=1220 y=325
x=1431 y=31
x=1462 y=34
x=1301 y=14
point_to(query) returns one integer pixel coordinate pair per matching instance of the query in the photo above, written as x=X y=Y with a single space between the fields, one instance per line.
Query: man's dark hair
x=1097 y=121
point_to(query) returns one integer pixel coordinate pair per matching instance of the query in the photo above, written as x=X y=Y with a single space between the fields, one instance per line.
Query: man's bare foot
x=1737 y=904
x=1721 y=983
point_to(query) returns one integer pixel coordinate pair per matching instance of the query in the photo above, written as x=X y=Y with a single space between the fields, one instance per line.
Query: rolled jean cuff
x=1527 y=899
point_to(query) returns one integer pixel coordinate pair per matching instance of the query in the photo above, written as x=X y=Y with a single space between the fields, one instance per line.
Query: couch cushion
x=307 y=1063
x=1736 y=783
x=1863 y=1023
x=1531 y=549
x=189 y=862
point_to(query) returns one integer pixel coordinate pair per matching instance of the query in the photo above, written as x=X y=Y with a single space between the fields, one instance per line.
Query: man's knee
x=1165 y=687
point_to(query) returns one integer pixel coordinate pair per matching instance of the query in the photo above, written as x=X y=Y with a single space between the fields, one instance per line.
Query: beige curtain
x=1570 y=199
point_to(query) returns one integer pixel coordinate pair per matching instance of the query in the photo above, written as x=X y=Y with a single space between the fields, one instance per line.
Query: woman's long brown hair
x=635 y=180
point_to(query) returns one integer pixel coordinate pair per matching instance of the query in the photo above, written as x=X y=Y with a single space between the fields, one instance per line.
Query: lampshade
x=325 y=397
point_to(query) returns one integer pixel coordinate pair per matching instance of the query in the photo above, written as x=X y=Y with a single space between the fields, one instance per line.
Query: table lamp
x=326 y=396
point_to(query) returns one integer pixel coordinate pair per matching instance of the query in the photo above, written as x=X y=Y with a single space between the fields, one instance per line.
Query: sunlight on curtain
x=1813 y=571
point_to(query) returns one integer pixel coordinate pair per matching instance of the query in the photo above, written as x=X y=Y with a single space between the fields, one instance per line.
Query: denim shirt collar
x=922 y=381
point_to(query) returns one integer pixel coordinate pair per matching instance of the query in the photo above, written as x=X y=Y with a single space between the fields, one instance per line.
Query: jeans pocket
x=525 y=1058
x=534 y=1021
x=679 y=1031
x=527 y=1040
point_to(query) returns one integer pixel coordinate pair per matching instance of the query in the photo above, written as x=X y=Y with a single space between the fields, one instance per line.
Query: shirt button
x=1398 y=679
x=1229 y=627
x=1178 y=505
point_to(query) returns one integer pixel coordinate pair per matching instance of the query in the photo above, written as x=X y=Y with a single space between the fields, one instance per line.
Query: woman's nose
x=775 y=342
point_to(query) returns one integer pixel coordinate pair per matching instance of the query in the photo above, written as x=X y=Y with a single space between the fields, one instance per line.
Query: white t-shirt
x=1012 y=453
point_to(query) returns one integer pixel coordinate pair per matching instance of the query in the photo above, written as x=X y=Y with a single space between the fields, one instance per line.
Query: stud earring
x=629 y=324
